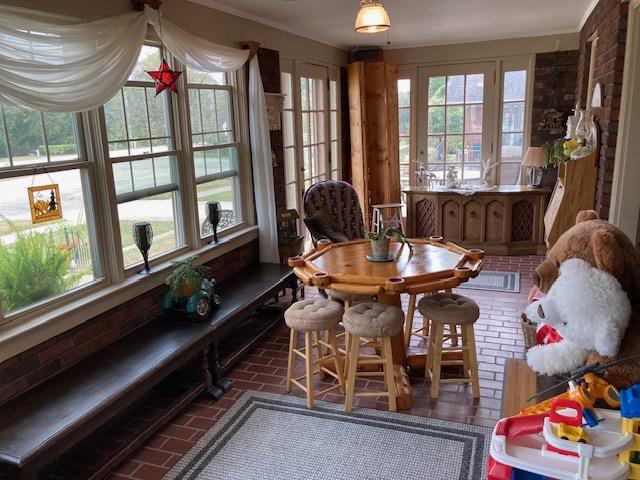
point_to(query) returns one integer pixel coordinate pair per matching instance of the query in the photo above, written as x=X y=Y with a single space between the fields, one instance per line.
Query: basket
x=528 y=332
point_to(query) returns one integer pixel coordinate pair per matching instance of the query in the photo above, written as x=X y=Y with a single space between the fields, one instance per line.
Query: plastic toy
x=630 y=411
x=575 y=434
x=197 y=306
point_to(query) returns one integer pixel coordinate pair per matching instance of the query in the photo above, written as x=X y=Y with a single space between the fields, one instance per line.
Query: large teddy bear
x=608 y=265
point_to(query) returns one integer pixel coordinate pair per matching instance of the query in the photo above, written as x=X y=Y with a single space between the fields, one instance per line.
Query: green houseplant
x=380 y=242
x=186 y=278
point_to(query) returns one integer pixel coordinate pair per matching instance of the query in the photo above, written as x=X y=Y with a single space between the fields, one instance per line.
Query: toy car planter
x=198 y=305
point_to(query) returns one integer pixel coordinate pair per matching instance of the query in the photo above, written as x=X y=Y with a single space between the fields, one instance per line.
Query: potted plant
x=380 y=243
x=190 y=289
x=186 y=278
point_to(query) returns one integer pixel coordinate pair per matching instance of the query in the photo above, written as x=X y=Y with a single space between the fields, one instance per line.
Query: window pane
x=194 y=112
x=404 y=150
x=436 y=120
x=228 y=158
x=473 y=119
x=223 y=115
x=157 y=210
x=289 y=165
x=122 y=177
x=147 y=173
x=455 y=119
x=212 y=161
x=515 y=86
x=143 y=174
x=471 y=174
x=136 y=113
x=287 y=90
x=334 y=126
x=333 y=95
x=454 y=149
x=61 y=136
x=38 y=262
x=306 y=134
x=148 y=60
x=4 y=151
x=304 y=93
x=436 y=149
x=512 y=147
x=404 y=92
x=26 y=138
x=287 y=128
x=473 y=148
x=198 y=158
x=509 y=173
x=475 y=88
x=437 y=87
x=403 y=121
x=513 y=117
x=208 y=111
x=207 y=78
x=223 y=191
x=455 y=89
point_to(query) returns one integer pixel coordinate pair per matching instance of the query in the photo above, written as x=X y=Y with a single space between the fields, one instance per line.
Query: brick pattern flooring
x=498 y=337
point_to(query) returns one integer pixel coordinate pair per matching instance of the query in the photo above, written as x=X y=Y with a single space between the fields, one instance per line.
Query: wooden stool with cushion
x=371 y=320
x=313 y=316
x=423 y=332
x=458 y=311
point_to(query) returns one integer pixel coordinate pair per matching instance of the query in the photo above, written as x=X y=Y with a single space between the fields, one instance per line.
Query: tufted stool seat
x=312 y=316
x=373 y=320
x=456 y=311
x=449 y=308
x=378 y=321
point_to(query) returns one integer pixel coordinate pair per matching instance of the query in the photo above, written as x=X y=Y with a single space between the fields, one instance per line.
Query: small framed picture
x=44 y=203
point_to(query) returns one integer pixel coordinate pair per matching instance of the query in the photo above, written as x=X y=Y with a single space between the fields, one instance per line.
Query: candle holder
x=213 y=213
x=143 y=238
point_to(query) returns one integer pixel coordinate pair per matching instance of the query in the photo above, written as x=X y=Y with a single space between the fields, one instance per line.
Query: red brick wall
x=564 y=67
x=609 y=19
x=39 y=363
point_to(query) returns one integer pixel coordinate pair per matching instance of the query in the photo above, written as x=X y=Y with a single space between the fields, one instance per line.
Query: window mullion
x=6 y=136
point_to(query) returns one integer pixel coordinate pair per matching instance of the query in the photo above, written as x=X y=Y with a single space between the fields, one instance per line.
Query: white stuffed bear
x=588 y=308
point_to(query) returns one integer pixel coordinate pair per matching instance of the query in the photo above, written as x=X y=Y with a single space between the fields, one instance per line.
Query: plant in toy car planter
x=190 y=289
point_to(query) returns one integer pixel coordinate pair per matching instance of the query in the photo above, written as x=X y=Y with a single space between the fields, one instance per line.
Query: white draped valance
x=55 y=66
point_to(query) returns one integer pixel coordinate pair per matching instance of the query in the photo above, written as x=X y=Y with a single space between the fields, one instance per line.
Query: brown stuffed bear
x=607 y=248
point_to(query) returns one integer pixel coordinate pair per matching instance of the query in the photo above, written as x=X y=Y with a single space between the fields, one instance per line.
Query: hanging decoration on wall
x=44 y=203
x=552 y=120
x=165 y=76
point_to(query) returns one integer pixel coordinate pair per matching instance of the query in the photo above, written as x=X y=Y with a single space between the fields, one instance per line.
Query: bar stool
x=393 y=217
x=372 y=320
x=311 y=317
x=349 y=299
x=454 y=310
x=423 y=332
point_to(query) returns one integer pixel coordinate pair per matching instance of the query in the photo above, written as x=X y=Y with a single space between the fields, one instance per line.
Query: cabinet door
x=472 y=224
x=522 y=220
x=425 y=218
x=450 y=215
x=495 y=221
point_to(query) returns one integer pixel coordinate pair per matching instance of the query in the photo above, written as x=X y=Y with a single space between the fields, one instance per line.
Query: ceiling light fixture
x=372 y=17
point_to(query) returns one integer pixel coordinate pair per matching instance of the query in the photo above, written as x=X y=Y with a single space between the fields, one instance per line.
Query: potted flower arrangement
x=190 y=289
x=380 y=243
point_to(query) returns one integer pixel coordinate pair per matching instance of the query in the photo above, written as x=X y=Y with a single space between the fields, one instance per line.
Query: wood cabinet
x=507 y=220
x=373 y=116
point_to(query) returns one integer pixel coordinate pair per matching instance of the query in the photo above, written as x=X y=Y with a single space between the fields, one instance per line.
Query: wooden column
x=373 y=112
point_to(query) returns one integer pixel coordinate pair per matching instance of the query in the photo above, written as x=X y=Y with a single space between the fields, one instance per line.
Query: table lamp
x=534 y=161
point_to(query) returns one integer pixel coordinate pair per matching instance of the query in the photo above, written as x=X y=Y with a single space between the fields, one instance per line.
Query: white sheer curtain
x=54 y=65
x=262 y=168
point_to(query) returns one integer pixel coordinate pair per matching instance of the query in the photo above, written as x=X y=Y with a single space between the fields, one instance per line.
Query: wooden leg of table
x=293 y=341
x=408 y=323
x=399 y=351
x=336 y=359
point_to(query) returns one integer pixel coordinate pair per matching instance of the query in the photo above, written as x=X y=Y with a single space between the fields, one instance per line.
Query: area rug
x=275 y=437
x=495 y=282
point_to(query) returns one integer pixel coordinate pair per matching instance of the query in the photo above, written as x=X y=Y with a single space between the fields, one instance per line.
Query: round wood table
x=431 y=265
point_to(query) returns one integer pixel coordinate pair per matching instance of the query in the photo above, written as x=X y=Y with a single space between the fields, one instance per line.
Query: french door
x=455 y=119
x=310 y=129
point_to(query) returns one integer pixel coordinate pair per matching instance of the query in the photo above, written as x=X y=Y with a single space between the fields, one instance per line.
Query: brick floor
x=498 y=337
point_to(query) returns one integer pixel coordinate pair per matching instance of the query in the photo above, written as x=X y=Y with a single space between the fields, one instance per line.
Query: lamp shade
x=372 y=17
x=534 y=157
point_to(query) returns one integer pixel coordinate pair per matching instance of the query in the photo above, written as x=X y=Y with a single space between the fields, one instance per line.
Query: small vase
x=380 y=248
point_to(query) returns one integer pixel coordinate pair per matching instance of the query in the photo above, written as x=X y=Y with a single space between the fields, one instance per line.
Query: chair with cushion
x=311 y=317
x=332 y=210
x=371 y=320
x=457 y=311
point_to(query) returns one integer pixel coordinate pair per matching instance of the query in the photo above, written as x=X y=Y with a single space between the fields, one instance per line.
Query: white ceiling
x=415 y=22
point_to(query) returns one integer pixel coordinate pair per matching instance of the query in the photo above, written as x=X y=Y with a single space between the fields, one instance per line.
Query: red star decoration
x=165 y=78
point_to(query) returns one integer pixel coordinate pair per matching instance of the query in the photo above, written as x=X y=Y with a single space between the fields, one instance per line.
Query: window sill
x=17 y=337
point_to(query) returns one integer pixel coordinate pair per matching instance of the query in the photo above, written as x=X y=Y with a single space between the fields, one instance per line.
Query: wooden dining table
x=430 y=265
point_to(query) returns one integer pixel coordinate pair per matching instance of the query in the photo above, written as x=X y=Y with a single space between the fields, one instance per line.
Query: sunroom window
x=44 y=260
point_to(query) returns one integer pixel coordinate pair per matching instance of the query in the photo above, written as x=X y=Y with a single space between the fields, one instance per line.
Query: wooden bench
x=47 y=421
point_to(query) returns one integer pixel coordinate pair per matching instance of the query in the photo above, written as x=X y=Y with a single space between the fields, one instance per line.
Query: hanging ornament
x=44 y=203
x=165 y=77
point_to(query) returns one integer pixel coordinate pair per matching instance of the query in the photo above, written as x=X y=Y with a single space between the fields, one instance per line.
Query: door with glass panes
x=455 y=115
x=310 y=129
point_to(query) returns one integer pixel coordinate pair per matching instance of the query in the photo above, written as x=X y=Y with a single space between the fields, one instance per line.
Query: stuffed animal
x=590 y=312
x=606 y=249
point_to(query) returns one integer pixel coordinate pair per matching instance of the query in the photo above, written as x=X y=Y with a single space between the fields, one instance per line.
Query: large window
x=142 y=152
x=215 y=147
x=404 y=130
x=513 y=125
x=41 y=261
